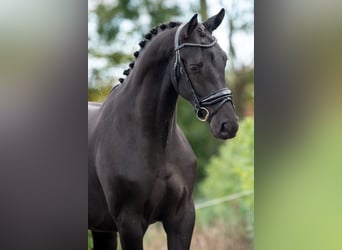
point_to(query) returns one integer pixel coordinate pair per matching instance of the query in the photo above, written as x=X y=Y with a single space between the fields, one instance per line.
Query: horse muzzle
x=227 y=130
x=225 y=124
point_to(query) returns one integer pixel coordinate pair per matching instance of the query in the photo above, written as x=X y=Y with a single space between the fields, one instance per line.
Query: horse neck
x=148 y=88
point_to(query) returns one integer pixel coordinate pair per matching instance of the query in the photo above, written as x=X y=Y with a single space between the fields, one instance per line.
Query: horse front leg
x=131 y=231
x=104 y=240
x=180 y=228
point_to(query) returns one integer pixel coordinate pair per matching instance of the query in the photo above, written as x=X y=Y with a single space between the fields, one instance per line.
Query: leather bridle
x=218 y=97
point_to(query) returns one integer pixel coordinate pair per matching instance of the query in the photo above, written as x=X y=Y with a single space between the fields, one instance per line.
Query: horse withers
x=141 y=167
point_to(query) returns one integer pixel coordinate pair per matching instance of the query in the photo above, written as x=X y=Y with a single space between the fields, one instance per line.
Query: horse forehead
x=209 y=56
x=202 y=30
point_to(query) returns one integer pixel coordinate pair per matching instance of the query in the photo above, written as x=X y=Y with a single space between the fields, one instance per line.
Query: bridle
x=218 y=97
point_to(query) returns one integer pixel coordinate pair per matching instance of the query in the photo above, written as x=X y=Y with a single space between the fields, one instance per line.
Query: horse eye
x=196 y=67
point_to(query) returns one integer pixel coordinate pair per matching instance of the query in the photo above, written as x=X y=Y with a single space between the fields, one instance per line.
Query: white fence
x=214 y=202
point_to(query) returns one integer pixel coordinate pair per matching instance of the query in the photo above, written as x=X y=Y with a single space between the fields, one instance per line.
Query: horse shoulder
x=181 y=165
x=183 y=154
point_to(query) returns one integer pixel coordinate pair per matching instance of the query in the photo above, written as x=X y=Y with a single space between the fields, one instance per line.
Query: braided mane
x=147 y=38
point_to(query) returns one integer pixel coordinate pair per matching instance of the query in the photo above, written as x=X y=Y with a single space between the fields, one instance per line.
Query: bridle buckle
x=202 y=114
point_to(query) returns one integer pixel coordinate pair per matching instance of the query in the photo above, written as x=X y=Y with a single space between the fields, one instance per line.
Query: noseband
x=218 y=97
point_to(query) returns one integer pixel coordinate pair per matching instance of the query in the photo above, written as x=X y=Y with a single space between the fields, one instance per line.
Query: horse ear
x=190 y=26
x=213 y=22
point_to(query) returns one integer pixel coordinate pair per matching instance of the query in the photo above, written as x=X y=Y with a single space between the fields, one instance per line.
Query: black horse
x=141 y=167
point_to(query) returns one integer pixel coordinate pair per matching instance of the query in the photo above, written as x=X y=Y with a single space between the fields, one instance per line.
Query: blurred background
x=298 y=140
x=298 y=121
x=225 y=181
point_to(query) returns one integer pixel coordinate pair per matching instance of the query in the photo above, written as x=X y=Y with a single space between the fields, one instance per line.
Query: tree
x=204 y=9
x=118 y=22
x=240 y=20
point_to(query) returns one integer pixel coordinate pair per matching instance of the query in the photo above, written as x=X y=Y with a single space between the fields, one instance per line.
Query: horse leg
x=104 y=240
x=179 y=230
x=131 y=232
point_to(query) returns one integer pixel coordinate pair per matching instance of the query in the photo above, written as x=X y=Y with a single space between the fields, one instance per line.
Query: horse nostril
x=229 y=128
x=224 y=128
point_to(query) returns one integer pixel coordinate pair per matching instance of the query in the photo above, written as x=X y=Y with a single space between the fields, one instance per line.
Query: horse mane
x=147 y=38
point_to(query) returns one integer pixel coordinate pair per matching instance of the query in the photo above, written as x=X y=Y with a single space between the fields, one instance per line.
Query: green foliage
x=98 y=94
x=240 y=20
x=241 y=82
x=117 y=23
x=231 y=171
x=110 y=16
x=90 y=241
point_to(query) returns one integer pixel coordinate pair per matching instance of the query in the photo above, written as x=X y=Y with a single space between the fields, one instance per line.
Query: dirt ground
x=217 y=237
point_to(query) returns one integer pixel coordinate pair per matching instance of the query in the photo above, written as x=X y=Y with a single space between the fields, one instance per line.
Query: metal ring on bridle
x=206 y=116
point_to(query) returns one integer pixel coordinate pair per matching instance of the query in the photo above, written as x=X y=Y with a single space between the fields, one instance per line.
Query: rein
x=219 y=97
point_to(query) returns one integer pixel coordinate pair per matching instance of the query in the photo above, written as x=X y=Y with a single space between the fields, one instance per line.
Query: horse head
x=199 y=75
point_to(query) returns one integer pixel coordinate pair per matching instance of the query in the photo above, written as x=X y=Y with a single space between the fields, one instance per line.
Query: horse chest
x=173 y=186
x=166 y=197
